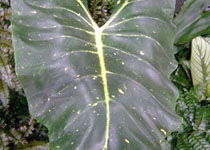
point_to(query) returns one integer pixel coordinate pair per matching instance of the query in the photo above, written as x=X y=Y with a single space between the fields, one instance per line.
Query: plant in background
x=193 y=105
x=8 y=77
x=200 y=63
x=17 y=127
x=192 y=21
x=196 y=115
x=102 y=88
x=100 y=10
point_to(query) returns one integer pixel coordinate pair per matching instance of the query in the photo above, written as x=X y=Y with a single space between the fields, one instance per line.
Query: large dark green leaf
x=192 y=21
x=98 y=88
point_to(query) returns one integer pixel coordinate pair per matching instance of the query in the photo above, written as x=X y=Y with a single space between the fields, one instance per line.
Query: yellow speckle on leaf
x=75 y=87
x=57 y=146
x=134 y=108
x=66 y=69
x=33 y=12
x=113 y=96
x=121 y=91
x=19 y=13
x=78 y=112
x=127 y=141
x=63 y=36
x=141 y=53
x=94 y=77
x=78 y=76
x=164 y=132
x=95 y=104
x=55 y=16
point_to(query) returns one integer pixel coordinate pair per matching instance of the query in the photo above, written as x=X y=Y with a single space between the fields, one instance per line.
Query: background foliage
x=18 y=130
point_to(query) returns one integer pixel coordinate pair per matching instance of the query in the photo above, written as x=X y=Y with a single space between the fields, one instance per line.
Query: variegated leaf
x=200 y=62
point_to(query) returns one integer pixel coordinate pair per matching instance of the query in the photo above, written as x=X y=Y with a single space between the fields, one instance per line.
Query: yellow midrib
x=99 y=44
x=100 y=52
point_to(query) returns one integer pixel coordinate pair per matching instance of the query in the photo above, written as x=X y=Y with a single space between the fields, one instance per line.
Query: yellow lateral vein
x=87 y=12
x=135 y=1
x=78 y=79
x=116 y=14
x=66 y=26
x=60 y=37
x=99 y=45
x=133 y=18
x=62 y=8
x=104 y=80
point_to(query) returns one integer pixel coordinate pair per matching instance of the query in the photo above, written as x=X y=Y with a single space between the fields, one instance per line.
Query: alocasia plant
x=98 y=88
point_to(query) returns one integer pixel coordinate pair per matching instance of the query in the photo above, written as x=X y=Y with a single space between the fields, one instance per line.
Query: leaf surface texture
x=98 y=88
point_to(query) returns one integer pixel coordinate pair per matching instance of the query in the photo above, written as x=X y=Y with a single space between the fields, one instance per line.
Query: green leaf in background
x=192 y=21
x=196 y=124
x=98 y=88
x=196 y=141
x=4 y=78
x=200 y=63
x=35 y=145
x=4 y=93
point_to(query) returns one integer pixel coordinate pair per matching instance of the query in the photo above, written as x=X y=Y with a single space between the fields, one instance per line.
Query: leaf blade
x=200 y=59
x=94 y=103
